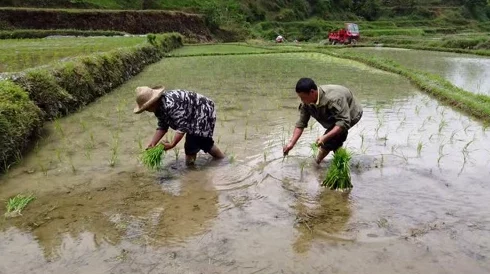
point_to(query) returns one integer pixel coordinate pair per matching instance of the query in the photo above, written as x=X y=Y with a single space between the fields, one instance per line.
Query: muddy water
x=255 y=212
x=469 y=72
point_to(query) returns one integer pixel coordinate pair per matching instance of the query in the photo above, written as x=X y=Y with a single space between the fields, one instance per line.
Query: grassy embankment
x=30 y=97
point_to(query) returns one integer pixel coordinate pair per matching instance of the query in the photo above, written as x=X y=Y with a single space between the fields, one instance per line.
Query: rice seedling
x=245 y=133
x=362 y=139
x=91 y=142
x=140 y=144
x=83 y=125
x=338 y=175
x=465 y=148
x=43 y=168
x=420 y=146
x=381 y=164
x=393 y=148
x=466 y=128
x=232 y=157
x=451 y=139
x=59 y=128
x=417 y=110
x=16 y=204
x=152 y=157
x=177 y=153
x=441 y=154
x=256 y=128
x=73 y=168
x=265 y=155
x=58 y=155
x=443 y=112
x=377 y=109
x=402 y=122
x=114 y=157
x=384 y=139
x=314 y=149
x=219 y=139
x=233 y=129
x=302 y=166
x=442 y=125
x=87 y=154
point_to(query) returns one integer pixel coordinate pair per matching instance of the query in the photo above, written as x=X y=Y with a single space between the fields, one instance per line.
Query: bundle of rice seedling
x=338 y=174
x=152 y=157
x=16 y=204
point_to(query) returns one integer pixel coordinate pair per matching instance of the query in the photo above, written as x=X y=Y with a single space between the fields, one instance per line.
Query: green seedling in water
x=402 y=122
x=314 y=149
x=44 y=169
x=451 y=139
x=419 y=148
x=58 y=128
x=245 y=134
x=16 y=204
x=233 y=129
x=232 y=158
x=177 y=153
x=465 y=148
x=338 y=174
x=302 y=166
x=58 y=155
x=417 y=110
x=442 y=125
x=152 y=157
x=83 y=125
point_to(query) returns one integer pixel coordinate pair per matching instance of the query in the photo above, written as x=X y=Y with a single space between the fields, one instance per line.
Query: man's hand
x=168 y=146
x=321 y=140
x=150 y=145
x=287 y=148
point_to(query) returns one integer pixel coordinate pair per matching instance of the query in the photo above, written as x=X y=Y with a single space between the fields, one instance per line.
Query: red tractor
x=348 y=35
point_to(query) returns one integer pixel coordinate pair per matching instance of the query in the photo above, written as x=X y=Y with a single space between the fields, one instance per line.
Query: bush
x=20 y=120
x=42 y=88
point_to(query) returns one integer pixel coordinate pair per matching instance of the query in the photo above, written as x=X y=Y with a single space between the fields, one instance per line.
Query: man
x=187 y=112
x=333 y=106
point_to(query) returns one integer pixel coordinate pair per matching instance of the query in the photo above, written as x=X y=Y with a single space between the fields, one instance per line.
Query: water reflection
x=471 y=73
x=131 y=208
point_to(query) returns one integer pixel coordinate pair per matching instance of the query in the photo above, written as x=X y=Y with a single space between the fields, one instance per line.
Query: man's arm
x=296 y=134
x=304 y=117
x=159 y=133
x=178 y=136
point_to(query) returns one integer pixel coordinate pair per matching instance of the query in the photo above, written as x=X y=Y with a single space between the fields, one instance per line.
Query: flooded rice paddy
x=469 y=72
x=420 y=174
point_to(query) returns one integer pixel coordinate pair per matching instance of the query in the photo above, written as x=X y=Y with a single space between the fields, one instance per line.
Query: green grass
x=216 y=49
x=16 y=204
x=338 y=174
x=16 y=55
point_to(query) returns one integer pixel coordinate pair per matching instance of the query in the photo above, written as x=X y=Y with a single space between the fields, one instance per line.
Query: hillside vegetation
x=284 y=10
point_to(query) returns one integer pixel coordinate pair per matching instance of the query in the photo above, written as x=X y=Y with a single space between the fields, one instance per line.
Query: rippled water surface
x=469 y=72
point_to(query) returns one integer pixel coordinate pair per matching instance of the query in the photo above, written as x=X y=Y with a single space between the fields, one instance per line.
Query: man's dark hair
x=305 y=85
